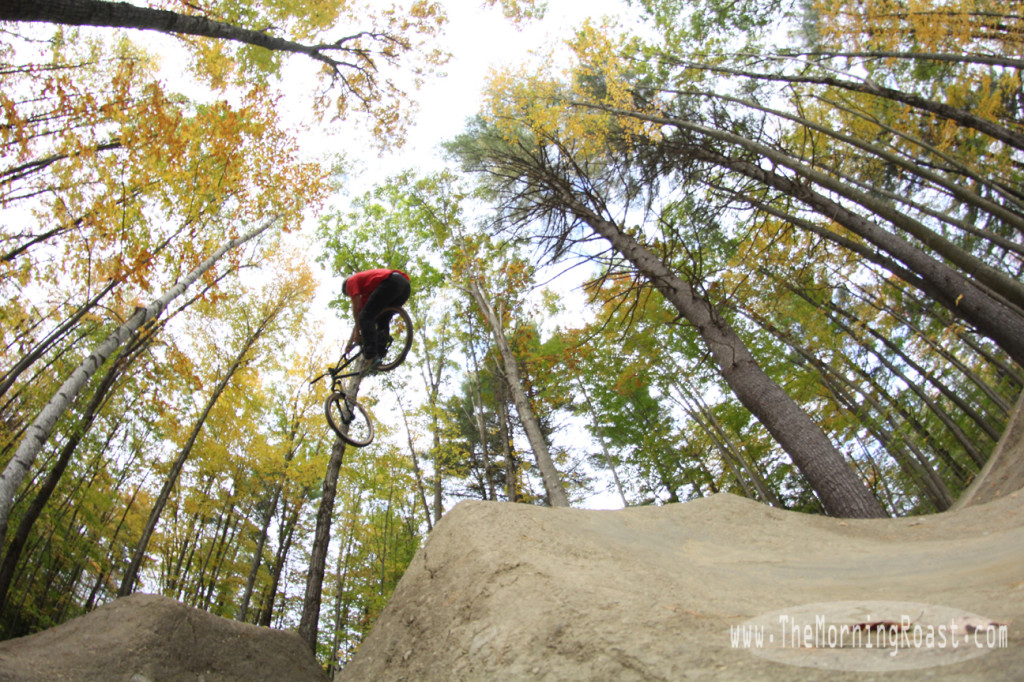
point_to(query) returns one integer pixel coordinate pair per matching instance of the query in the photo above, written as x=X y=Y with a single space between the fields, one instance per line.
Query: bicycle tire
x=401 y=334
x=359 y=431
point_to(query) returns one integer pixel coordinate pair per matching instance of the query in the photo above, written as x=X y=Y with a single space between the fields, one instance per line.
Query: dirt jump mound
x=518 y=592
x=146 y=638
x=717 y=588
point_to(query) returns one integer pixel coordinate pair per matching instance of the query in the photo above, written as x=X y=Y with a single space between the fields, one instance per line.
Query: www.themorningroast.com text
x=893 y=636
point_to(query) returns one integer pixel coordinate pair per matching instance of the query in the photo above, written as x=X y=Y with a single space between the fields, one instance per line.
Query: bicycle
x=345 y=415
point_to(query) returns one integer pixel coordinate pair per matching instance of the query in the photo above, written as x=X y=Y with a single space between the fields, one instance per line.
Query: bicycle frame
x=338 y=371
x=342 y=408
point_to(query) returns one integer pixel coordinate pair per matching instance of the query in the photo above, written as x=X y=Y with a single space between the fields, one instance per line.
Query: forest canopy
x=768 y=249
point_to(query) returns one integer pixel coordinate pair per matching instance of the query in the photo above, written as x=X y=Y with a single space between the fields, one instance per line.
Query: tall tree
x=542 y=178
x=286 y=296
x=552 y=482
x=41 y=428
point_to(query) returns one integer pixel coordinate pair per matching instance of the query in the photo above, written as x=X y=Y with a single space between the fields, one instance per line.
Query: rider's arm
x=353 y=339
x=358 y=301
x=357 y=306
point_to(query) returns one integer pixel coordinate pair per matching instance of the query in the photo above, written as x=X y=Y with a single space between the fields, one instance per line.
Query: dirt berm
x=515 y=592
x=147 y=638
x=717 y=588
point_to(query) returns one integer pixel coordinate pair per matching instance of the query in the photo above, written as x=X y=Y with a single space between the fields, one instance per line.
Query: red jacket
x=363 y=283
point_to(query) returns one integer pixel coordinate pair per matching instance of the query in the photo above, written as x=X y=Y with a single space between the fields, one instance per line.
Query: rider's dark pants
x=390 y=293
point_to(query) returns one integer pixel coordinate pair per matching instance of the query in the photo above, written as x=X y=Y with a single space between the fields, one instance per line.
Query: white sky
x=480 y=40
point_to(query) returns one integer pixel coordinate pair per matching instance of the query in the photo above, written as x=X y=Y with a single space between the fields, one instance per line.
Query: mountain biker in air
x=371 y=291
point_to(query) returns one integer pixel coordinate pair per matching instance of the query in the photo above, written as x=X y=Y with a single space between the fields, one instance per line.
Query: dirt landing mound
x=518 y=592
x=145 y=638
x=1004 y=472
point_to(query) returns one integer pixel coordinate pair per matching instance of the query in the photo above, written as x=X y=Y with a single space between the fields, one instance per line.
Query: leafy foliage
x=769 y=155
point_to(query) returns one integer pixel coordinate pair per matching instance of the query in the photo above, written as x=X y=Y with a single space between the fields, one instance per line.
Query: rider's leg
x=399 y=290
x=392 y=292
x=368 y=332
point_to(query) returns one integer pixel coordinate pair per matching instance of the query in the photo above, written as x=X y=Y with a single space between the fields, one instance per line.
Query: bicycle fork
x=347 y=405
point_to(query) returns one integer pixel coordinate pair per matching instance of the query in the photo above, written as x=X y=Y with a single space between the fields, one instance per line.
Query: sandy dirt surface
x=1003 y=473
x=719 y=588
x=146 y=638
x=667 y=593
x=518 y=592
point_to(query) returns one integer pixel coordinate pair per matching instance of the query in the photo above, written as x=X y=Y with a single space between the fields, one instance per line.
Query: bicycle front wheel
x=352 y=425
x=401 y=338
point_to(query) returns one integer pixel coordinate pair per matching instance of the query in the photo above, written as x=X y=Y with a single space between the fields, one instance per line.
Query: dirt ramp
x=145 y=638
x=1003 y=473
x=504 y=591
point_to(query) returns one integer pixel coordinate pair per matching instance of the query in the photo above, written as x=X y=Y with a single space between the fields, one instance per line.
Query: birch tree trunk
x=39 y=432
x=51 y=338
x=131 y=574
x=552 y=482
x=35 y=508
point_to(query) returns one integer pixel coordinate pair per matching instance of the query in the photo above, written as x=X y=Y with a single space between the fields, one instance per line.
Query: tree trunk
x=930 y=484
x=340 y=603
x=131 y=574
x=421 y=492
x=432 y=373
x=101 y=578
x=487 y=483
x=961 y=296
x=843 y=389
x=284 y=545
x=40 y=430
x=25 y=362
x=600 y=439
x=837 y=316
x=511 y=466
x=126 y=15
x=310 y=619
x=549 y=474
x=959 y=190
x=227 y=547
x=990 y=300
x=842 y=493
x=309 y=622
x=257 y=556
x=17 y=544
x=947 y=355
x=997 y=281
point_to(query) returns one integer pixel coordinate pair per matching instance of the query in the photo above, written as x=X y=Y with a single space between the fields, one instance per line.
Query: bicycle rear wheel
x=401 y=339
x=352 y=426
